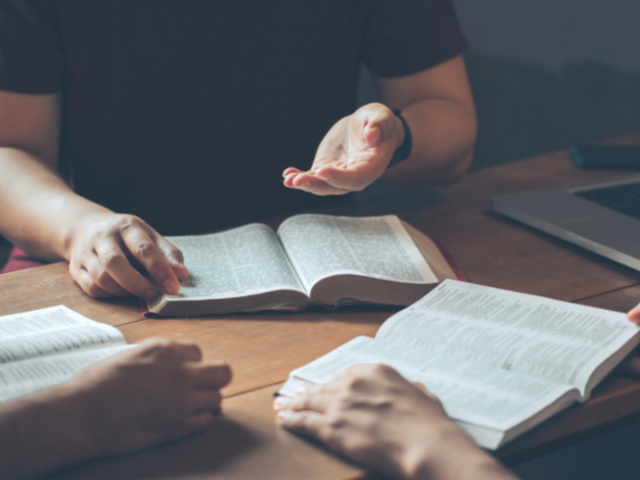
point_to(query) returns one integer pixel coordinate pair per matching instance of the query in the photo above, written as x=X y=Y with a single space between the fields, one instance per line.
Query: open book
x=500 y=362
x=312 y=259
x=47 y=347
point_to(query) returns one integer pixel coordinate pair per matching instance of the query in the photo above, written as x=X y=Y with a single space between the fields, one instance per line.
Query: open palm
x=354 y=153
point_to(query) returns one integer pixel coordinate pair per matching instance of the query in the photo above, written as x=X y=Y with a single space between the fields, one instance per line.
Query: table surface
x=264 y=348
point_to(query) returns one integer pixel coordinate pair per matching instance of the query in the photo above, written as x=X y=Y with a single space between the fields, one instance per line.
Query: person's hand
x=371 y=414
x=155 y=392
x=98 y=260
x=634 y=315
x=355 y=152
x=631 y=366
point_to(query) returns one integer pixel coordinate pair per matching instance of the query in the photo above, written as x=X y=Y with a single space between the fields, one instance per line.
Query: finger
x=200 y=421
x=206 y=401
x=210 y=375
x=634 y=315
x=420 y=387
x=83 y=279
x=114 y=261
x=315 y=185
x=145 y=250
x=102 y=278
x=356 y=176
x=288 y=179
x=172 y=254
x=291 y=170
x=307 y=423
x=313 y=400
x=189 y=352
x=381 y=122
x=372 y=134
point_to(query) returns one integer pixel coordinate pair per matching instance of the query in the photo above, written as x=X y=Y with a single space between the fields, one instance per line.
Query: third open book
x=501 y=362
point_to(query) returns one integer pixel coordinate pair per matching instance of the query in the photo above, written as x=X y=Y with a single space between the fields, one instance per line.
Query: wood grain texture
x=51 y=285
x=245 y=443
x=264 y=348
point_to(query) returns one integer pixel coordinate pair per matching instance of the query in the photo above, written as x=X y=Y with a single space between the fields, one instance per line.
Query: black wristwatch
x=403 y=151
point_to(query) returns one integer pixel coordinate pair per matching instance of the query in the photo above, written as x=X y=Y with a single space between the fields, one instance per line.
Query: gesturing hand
x=354 y=153
x=152 y=393
x=374 y=416
x=98 y=257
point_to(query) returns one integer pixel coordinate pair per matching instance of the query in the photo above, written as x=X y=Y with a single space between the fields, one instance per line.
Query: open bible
x=311 y=260
x=500 y=362
x=47 y=347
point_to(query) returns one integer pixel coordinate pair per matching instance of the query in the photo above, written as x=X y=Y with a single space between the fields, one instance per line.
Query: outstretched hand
x=355 y=153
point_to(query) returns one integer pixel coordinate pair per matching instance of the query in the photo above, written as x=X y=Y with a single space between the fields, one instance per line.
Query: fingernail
x=283 y=415
x=280 y=402
x=151 y=294
x=301 y=390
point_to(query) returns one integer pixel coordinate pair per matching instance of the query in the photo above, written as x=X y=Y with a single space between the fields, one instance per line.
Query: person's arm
x=438 y=107
x=41 y=215
x=153 y=393
x=374 y=416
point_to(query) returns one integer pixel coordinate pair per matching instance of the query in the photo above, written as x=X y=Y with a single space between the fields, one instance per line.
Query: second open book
x=500 y=362
x=311 y=259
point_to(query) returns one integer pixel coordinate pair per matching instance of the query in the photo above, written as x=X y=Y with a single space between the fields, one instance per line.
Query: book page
x=323 y=245
x=22 y=378
x=559 y=341
x=471 y=392
x=51 y=331
x=235 y=263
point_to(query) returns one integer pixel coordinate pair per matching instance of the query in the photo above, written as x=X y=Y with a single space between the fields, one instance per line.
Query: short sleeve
x=30 y=56
x=407 y=36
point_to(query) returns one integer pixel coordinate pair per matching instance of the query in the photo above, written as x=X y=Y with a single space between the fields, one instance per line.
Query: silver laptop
x=602 y=216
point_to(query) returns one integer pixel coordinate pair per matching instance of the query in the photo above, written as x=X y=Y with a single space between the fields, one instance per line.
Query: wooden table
x=264 y=348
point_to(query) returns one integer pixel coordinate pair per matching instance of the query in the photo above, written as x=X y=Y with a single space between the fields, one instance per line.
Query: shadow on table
x=206 y=454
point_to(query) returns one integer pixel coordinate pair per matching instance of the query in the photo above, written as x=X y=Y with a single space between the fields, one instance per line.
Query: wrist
x=69 y=406
x=81 y=215
x=451 y=454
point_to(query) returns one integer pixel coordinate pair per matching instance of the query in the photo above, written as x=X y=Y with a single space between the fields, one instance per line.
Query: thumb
x=373 y=124
x=380 y=124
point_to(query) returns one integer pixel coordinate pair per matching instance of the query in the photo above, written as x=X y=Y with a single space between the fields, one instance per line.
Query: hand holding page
x=501 y=362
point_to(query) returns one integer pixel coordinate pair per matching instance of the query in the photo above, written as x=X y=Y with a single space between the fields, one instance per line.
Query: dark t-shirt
x=186 y=112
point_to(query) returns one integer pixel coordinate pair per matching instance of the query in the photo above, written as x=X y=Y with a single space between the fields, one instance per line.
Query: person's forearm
x=41 y=433
x=443 y=133
x=38 y=209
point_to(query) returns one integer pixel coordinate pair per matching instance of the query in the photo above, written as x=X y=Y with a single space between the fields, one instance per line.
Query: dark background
x=545 y=74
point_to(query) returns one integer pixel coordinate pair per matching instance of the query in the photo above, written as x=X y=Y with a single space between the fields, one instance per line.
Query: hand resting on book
x=153 y=393
x=97 y=254
x=372 y=415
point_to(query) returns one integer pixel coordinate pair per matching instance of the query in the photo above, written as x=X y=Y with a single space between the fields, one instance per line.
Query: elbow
x=457 y=171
